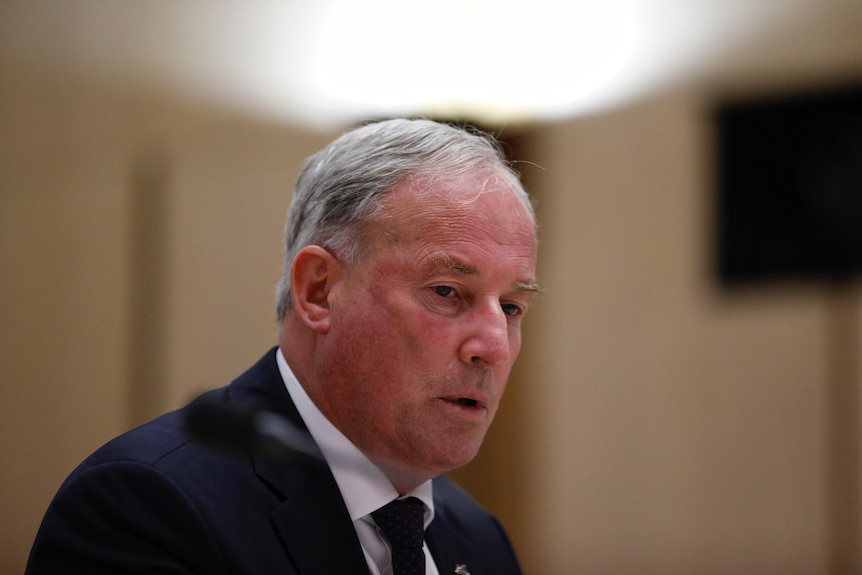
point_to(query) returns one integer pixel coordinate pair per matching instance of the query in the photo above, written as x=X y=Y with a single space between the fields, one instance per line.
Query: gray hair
x=340 y=188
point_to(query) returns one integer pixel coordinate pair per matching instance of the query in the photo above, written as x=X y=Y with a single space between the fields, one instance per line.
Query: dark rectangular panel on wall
x=790 y=187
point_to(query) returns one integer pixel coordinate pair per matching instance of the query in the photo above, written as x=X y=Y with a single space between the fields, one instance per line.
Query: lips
x=465 y=401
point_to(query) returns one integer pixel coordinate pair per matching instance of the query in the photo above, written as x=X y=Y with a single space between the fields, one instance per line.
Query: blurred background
x=680 y=405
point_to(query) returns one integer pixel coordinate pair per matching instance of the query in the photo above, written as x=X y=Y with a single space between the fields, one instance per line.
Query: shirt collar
x=363 y=486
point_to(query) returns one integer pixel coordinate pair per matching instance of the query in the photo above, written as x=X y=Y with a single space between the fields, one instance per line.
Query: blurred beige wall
x=665 y=425
x=654 y=423
x=140 y=244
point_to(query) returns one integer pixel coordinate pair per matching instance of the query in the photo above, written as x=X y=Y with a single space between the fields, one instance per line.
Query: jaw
x=424 y=456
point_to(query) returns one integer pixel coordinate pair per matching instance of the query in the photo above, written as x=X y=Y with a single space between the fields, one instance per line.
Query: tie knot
x=403 y=522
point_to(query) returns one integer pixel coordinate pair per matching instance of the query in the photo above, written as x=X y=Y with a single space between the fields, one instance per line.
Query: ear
x=312 y=275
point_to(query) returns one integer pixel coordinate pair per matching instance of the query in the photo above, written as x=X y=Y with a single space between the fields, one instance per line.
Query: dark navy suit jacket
x=156 y=500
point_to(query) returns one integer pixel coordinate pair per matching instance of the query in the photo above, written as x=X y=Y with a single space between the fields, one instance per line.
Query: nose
x=487 y=341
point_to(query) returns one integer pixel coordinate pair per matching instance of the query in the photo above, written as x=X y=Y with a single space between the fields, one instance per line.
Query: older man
x=410 y=261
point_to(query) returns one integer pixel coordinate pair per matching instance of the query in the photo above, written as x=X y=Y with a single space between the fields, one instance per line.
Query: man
x=410 y=261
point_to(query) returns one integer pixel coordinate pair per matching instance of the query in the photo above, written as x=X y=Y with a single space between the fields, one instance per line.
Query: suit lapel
x=314 y=524
x=312 y=520
x=449 y=547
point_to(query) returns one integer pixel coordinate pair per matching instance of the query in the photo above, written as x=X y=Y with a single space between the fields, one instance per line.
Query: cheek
x=413 y=335
x=376 y=349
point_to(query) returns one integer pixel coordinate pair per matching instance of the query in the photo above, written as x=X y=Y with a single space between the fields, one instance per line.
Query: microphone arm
x=244 y=431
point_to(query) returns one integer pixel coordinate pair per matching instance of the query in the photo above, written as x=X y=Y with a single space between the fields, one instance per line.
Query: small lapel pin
x=461 y=570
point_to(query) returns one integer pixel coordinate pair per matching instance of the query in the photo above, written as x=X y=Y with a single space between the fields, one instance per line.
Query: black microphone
x=245 y=431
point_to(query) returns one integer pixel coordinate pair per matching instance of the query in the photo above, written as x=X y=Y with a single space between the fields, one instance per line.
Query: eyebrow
x=532 y=287
x=456 y=266
x=468 y=270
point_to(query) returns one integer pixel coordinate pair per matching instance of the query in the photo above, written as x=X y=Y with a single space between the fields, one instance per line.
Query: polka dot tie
x=403 y=523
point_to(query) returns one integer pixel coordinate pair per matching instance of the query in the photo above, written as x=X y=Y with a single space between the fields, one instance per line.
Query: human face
x=425 y=329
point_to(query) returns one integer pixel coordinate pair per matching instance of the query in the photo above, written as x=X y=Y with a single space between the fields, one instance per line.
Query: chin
x=454 y=459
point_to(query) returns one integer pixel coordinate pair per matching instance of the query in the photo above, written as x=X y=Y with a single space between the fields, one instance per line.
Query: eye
x=511 y=309
x=444 y=291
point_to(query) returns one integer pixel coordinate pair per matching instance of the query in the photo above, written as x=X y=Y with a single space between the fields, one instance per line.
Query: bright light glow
x=326 y=64
x=484 y=59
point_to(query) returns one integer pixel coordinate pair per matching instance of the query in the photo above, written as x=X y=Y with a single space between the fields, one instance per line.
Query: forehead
x=480 y=197
x=444 y=222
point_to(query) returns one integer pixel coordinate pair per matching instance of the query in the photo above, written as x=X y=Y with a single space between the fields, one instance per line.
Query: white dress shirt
x=363 y=486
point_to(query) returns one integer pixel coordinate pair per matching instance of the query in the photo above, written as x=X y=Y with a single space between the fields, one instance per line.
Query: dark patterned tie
x=403 y=523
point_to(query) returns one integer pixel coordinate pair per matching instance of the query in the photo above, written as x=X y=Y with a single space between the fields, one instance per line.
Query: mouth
x=465 y=404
